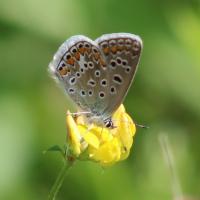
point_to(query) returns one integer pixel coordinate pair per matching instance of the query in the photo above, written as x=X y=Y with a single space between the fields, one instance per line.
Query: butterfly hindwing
x=121 y=52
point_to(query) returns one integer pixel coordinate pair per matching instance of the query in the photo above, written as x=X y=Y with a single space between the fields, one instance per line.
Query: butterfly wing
x=79 y=66
x=121 y=52
x=97 y=75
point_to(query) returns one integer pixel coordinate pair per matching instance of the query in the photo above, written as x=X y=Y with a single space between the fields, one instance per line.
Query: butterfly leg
x=76 y=114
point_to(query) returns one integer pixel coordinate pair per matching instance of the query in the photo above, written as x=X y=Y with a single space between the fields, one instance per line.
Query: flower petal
x=107 y=154
x=89 y=136
x=74 y=136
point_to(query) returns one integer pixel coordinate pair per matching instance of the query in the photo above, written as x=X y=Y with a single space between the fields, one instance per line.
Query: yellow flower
x=103 y=145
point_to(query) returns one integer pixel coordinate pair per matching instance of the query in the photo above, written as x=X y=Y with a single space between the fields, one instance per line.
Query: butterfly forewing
x=79 y=66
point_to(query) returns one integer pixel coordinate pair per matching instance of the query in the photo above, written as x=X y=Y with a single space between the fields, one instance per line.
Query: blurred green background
x=165 y=96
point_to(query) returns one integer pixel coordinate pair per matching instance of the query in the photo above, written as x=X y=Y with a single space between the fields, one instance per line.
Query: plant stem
x=59 y=181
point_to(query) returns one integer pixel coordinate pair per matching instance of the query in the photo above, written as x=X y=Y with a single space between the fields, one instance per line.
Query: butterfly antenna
x=76 y=114
x=138 y=125
x=142 y=126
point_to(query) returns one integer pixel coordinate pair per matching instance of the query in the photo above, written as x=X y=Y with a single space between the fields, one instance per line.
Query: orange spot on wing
x=106 y=50
x=96 y=56
x=120 y=48
x=114 y=49
x=77 y=56
x=64 y=71
x=102 y=62
x=82 y=50
x=71 y=61
x=88 y=50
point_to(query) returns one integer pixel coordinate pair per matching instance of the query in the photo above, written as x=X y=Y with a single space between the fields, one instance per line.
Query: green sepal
x=56 y=148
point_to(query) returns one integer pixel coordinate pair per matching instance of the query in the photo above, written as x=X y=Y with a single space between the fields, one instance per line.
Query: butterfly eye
x=108 y=123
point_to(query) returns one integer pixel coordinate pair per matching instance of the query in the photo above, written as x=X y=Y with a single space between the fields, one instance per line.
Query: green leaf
x=55 y=148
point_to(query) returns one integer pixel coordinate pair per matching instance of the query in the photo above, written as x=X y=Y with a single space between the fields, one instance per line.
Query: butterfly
x=97 y=74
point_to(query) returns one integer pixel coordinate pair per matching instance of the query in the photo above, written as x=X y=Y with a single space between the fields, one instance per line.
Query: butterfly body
x=97 y=74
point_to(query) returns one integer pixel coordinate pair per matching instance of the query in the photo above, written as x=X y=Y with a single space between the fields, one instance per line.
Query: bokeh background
x=165 y=96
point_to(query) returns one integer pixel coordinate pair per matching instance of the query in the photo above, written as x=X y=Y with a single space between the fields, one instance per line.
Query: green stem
x=61 y=176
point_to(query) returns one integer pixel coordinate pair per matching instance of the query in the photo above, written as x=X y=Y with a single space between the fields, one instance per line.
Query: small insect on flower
x=97 y=75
